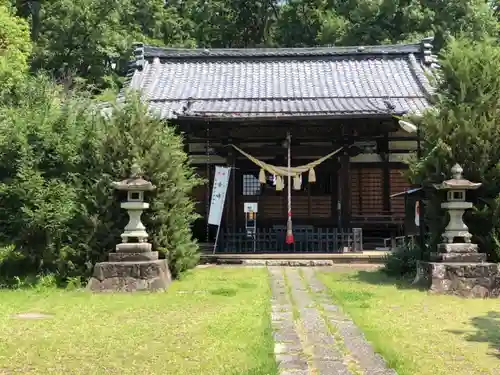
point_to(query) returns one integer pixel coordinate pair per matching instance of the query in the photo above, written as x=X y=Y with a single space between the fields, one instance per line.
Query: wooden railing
x=307 y=240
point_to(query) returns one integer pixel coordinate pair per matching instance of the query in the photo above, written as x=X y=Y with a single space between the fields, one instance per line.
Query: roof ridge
x=421 y=47
x=136 y=63
x=284 y=98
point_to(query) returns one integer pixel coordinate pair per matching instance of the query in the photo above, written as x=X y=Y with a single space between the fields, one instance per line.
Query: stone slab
x=286 y=263
x=459 y=257
x=472 y=280
x=137 y=270
x=32 y=315
x=128 y=284
x=328 y=367
x=294 y=372
x=458 y=248
x=352 y=339
x=291 y=361
x=133 y=257
x=446 y=270
x=134 y=247
x=130 y=276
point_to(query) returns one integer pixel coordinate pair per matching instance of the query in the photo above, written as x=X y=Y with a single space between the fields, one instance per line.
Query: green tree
x=368 y=22
x=474 y=19
x=464 y=127
x=300 y=22
x=90 y=40
x=228 y=23
x=58 y=157
x=15 y=48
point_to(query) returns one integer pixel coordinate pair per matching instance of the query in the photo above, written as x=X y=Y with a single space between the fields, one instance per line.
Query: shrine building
x=237 y=107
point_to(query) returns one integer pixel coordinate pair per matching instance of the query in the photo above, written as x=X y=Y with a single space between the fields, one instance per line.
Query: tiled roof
x=249 y=83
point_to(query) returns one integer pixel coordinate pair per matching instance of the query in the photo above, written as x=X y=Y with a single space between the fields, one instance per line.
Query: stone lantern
x=458 y=268
x=456 y=188
x=134 y=266
x=135 y=186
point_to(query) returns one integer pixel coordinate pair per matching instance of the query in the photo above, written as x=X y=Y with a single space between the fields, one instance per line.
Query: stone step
x=458 y=248
x=133 y=257
x=459 y=257
x=134 y=247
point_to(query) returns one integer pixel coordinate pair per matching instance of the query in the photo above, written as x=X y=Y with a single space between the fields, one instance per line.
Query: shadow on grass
x=226 y=292
x=487 y=329
x=257 y=371
x=380 y=278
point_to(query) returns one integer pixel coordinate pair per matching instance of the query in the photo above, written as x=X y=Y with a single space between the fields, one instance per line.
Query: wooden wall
x=367 y=191
x=275 y=207
x=399 y=183
x=367 y=197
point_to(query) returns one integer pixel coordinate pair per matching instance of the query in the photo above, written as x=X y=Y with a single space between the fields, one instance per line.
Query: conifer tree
x=464 y=127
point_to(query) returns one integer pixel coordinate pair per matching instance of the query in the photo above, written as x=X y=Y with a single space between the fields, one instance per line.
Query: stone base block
x=133 y=257
x=458 y=248
x=134 y=247
x=476 y=280
x=130 y=276
x=458 y=257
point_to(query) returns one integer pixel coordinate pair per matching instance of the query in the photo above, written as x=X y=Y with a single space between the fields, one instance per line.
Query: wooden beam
x=301 y=129
x=274 y=141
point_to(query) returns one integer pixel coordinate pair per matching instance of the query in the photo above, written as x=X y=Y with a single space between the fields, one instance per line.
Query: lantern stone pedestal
x=458 y=268
x=134 y=266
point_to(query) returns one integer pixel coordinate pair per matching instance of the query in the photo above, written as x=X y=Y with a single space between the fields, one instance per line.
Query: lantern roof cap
x=457 y=181
x=135 y=182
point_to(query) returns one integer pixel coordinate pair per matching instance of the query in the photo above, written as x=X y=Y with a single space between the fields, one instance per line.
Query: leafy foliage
x=464 y=128
x=88 y=40
x=15 y=48
x=368 y=22
x=402 y=261
x=58 y=157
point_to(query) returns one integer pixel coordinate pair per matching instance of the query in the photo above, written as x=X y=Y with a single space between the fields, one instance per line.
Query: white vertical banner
x=219 y=190
x=417 y=213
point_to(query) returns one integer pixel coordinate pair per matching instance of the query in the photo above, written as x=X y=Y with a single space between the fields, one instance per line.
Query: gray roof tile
x=282 y=82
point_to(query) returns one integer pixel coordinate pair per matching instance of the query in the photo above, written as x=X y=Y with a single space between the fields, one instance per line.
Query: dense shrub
x=58 y=157
x=402 y=261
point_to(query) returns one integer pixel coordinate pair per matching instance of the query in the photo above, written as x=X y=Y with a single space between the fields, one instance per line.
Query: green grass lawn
x=419 y=333
x=213 y=321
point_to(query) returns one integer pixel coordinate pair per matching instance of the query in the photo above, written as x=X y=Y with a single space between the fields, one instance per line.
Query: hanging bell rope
x=280 y=172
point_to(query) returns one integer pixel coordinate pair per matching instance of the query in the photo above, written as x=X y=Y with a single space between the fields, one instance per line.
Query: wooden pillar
x=208 y=186
x=232 y=199
x=281 y=161
x=360 y=190
x=386 y=174
x=333 y=166
x=345 y=179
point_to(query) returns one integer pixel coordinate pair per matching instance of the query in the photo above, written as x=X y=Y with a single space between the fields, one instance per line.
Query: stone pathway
x=312 y=337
